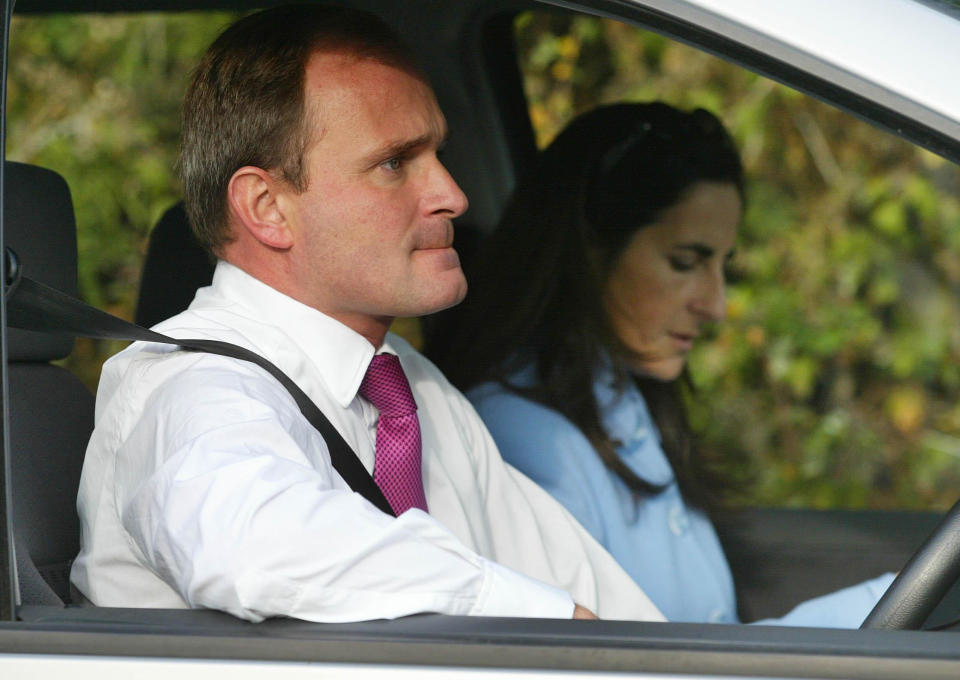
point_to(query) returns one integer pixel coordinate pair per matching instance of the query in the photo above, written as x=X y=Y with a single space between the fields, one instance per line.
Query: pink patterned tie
x=396 y=469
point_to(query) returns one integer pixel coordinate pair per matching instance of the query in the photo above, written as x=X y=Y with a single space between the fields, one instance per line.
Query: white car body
x=892 y=61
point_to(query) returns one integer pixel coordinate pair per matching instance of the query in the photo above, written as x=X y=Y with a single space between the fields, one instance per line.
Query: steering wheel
x=923 y=581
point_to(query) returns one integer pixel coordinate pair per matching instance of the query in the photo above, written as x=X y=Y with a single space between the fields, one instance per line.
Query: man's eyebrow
x=404 y=147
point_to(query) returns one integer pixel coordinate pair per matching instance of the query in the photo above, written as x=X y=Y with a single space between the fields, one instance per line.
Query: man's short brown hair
x=245 y=104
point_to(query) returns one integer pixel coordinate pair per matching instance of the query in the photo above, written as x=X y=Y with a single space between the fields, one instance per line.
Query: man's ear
x=252 y=194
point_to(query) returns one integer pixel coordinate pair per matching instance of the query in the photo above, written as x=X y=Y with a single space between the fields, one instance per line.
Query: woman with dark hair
x=607 y=263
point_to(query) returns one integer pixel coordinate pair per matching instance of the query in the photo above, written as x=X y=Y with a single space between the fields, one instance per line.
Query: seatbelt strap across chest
x=34 y=306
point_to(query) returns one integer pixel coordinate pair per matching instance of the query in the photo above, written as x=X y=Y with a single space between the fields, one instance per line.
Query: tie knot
x=386 y=387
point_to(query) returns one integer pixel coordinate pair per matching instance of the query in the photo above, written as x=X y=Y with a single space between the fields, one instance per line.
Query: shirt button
x=641 y=432
x=677 y=520
x=716 y=616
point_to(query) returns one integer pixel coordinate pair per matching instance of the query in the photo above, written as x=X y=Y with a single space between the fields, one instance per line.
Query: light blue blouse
x=669 y=548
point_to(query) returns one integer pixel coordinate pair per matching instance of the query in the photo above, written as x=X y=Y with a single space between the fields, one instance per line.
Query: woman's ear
x=252 y=194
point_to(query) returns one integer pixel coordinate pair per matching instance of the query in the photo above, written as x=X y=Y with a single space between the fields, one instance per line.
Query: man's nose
x=447 y=198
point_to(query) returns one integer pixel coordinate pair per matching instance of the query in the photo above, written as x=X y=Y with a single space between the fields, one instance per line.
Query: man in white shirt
x=310 y=171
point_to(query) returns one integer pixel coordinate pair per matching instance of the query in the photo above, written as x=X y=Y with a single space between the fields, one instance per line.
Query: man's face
x=373 y=230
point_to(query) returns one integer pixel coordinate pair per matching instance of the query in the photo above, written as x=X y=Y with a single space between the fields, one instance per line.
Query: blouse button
x=677 y=520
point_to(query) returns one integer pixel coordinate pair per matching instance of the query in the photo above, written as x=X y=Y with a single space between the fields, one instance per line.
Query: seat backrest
x=176 y=265
x=50 y=410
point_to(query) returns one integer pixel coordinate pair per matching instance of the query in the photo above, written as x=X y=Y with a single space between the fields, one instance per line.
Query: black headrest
x=175 y=266
x=40 y=227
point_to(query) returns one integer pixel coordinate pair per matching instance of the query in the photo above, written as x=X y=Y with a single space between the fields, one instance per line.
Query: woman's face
x=670 y=279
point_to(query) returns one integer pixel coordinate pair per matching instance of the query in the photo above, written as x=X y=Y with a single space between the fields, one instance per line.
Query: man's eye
x=392 y=164
x=682 y=264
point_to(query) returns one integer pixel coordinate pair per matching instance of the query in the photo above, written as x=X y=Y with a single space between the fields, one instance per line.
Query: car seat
x=50 y=412
x=176 y=265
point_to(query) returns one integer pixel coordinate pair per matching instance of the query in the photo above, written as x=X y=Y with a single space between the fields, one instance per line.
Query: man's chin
x=455 y=296
x=446 y=290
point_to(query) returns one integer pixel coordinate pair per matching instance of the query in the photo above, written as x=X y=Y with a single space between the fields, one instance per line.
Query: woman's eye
x=730 y=269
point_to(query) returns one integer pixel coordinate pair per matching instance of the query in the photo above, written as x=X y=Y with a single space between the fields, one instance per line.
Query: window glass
x=97 y=98
x=834 y=380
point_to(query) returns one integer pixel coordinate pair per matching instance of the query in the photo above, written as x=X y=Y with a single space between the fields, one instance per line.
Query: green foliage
x=97 y=98
x=834 y=380
x=835 y=376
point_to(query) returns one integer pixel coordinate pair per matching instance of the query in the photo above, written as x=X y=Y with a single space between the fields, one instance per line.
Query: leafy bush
x=834 y=379
x=835 y=375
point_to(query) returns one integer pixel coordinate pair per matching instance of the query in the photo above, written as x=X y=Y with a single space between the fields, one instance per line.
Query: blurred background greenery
x=834 y=379
x=97 y=98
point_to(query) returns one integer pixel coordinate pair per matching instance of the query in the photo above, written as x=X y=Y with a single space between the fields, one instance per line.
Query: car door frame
x=156 y=636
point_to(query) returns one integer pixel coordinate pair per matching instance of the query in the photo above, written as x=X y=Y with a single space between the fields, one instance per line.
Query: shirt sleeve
x=846 y=608
x=545 y=538
x=227 y=493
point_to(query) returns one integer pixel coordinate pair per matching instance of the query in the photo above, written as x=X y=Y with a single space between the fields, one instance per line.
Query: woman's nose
x=711 y=302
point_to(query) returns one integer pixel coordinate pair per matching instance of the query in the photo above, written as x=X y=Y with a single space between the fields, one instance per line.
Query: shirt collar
x=338 y=354
x=622 y=407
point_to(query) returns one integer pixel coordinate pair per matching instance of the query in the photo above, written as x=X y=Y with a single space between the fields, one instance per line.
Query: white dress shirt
x=204 y=486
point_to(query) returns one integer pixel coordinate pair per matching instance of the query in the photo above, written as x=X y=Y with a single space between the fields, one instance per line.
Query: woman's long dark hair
x=541 y=274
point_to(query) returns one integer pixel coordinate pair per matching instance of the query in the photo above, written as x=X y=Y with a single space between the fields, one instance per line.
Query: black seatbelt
x=34 y=306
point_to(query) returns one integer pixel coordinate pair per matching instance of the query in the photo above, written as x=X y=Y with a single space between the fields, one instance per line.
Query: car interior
x=779 y=556
x=46 y=470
